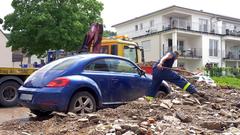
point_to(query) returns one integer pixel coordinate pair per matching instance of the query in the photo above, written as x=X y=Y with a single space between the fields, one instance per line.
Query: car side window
x=98 y=65
x=117 y=65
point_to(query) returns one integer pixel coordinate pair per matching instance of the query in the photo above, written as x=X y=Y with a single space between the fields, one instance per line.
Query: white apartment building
x=199 y=36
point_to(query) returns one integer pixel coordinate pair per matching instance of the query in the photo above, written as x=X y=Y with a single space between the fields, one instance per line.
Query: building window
x=146 y=45
x=136 y=27
x=203 y=25
x=141 y=26
x=213 y=47
x=152 y=23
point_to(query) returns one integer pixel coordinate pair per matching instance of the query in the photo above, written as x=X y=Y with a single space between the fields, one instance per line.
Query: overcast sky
x=116 y=11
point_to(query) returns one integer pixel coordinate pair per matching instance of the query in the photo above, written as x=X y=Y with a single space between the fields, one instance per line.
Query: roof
x=178 y=7
x=3 y=34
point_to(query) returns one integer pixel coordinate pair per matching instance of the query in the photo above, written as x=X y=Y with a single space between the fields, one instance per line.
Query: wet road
x=13 y=113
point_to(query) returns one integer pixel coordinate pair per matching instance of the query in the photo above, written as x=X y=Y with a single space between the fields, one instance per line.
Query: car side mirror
x=141 y=72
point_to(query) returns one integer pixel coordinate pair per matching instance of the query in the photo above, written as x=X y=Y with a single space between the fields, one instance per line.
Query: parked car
x=84 y=83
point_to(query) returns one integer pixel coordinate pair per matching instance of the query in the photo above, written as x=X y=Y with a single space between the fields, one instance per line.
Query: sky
x=117 y=11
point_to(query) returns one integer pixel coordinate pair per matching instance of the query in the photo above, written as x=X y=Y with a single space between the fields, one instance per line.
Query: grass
x=227 y=81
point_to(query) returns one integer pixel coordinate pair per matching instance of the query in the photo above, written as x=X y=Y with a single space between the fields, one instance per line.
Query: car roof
x=94 y=55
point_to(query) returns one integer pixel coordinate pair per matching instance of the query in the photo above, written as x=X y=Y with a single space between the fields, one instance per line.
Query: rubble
x=177 y=113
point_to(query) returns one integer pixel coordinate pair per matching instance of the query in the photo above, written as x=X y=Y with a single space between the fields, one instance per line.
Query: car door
x=98 y=71
x=126 y=82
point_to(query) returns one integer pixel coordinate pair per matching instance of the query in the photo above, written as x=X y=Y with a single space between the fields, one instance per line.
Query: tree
x=108 y=33
x=39 y=25
x=1 y=20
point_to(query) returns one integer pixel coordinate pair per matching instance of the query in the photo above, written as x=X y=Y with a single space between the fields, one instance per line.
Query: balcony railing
x=191 y=53
x=182 y=24
x=188 y=53
x=232 y=56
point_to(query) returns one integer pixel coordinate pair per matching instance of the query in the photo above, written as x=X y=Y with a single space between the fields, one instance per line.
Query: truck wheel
x=8 y=93
x=40 y=113
x=82 y=102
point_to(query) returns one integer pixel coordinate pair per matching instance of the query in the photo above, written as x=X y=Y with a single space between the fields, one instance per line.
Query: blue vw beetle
x=83 y=83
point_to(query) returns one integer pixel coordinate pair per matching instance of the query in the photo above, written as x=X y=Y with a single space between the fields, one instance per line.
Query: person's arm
x=166 y=57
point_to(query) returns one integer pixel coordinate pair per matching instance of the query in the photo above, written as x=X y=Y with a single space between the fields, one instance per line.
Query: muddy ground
x=178 y=113
x=13 y=113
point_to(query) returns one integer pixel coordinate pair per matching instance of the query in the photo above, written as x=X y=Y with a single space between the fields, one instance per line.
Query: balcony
x=185 y=24
x=231 y=55
x=189 y=26
x=190 y=53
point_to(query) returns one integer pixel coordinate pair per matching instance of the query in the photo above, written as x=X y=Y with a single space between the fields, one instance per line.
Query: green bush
x=223 y=71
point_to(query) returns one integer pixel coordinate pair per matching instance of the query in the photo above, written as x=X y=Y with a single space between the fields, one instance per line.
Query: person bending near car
x=162 y=70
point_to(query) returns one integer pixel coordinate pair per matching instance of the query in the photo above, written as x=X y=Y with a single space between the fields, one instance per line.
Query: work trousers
x=169 y=76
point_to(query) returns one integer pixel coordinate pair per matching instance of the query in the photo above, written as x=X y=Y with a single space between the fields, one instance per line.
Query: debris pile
x=178 y=113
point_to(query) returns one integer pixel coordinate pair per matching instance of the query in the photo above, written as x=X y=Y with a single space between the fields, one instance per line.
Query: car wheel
x=40 y=113
x=161 y=94
x=82 y=102
x=8 y=93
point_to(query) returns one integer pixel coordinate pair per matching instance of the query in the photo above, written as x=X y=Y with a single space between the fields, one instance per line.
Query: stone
x=25 y=133
x=164 y=106
x=188 y=103
x=225 y=113
x=96 y=120
x=219 y=100
x=141 y=99
x=134 y=127
x=134 y=117
x=60 y=114
x=238 y=105
x=184 y=118
x=117 y=127
x=216 y=106
x=168 y=103
x=118 y=133
x=144 y=123
x=213 y=125
x=141 y=131
x=92 y=116
x=233 y=131
x=126 y=127
x=186 y=95
x=83 y=120
x=171 y=119
x=72 y=115
x=129 y=133
x=176 y=102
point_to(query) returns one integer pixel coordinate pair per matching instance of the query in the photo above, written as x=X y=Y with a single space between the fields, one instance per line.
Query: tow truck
x=10 y=80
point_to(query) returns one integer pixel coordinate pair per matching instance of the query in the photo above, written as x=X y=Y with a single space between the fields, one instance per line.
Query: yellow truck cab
x=10 y=80
x=122 y=46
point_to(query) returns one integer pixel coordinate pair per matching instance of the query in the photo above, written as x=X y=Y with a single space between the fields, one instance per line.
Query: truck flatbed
x=16 y=71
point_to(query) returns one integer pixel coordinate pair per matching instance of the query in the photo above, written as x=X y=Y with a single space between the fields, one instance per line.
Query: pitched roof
x=4 y=34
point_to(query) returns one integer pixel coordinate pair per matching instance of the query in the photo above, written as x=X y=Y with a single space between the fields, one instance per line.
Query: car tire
x=161 y=94
x=8 y=93
x=82 y=102
x=40 y=113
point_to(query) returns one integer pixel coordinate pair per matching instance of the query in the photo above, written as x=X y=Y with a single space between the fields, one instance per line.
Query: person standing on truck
x=162 y=70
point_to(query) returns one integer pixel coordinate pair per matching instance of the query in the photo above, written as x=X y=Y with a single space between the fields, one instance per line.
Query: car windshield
x=130 y=53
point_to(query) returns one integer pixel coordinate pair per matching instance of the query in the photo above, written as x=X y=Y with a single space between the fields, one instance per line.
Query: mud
x=218 y=112
x=13 y=113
